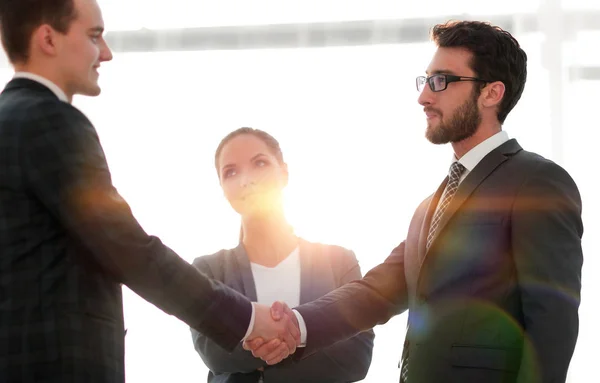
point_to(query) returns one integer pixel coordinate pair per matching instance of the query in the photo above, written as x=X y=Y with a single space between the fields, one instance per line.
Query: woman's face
x=251 y=176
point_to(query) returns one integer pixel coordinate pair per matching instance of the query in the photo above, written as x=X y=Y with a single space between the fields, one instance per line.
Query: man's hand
x=279 y=326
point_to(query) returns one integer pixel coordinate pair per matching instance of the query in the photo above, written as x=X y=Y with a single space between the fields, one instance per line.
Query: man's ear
x=492 y=94
x=46 y=40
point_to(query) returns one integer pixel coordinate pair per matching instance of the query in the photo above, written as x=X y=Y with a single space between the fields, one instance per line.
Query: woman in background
x=271 y=263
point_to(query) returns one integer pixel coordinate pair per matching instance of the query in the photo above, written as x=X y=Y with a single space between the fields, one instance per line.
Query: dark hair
x=265 y=137
x=20 y=18
x=497 y=56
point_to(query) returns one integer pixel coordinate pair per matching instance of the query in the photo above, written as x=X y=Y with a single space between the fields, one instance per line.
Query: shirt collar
x=475 y=155
x=44 y=81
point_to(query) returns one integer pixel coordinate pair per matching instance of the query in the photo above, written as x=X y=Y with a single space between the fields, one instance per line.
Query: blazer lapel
x=245 y=273
x=306 y=282
x=486 y=167
x=433 y=202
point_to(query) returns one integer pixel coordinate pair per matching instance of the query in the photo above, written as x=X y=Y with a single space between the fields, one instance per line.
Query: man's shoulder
x=21 y=97
x=29 y=106
x=37 y=115
x=525 y=157
x=534 y=165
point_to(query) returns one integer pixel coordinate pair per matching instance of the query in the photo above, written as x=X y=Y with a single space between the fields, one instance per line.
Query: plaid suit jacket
x=67 y=243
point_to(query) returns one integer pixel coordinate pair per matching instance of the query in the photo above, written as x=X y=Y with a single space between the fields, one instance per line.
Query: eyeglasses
x=439 y=82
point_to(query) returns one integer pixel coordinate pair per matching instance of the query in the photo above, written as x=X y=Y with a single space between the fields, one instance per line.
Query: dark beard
x=462 y=124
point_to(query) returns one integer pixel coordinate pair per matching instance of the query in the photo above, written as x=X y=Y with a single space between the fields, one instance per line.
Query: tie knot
x=456 y=170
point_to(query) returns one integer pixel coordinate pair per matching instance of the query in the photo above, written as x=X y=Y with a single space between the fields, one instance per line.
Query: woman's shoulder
x=335 y=253
x=215 y=260
x=336 y=260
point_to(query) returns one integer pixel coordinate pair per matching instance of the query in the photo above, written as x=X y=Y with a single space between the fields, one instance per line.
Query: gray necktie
x=456 y=170
x=404 y=370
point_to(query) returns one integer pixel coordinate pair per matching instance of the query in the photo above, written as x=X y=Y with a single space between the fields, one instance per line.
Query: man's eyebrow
x=441 y=71
x=99 y=30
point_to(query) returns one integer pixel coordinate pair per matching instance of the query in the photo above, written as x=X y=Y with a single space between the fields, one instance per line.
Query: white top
x=279 y=283
x=44 y=81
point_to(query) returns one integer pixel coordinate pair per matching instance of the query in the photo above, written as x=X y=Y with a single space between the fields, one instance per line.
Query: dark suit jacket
x=68 y=241
x=496 y=296
x=323 y=268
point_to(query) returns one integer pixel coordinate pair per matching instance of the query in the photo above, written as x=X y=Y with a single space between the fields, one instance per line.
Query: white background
x=351 y=131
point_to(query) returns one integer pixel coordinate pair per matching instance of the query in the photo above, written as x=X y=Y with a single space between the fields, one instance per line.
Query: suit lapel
x=483 y=169
x=306 y=290
x=245 y=273
x=433 y=202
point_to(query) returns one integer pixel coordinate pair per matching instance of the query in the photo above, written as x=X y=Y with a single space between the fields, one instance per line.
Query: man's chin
x=434 y=136
x=90 y=91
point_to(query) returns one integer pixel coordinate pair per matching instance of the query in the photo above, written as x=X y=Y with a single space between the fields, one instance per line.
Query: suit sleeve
x=357 y=306
x=65 y=168
x=345 y=361
x=546 y=231
x=218 y=360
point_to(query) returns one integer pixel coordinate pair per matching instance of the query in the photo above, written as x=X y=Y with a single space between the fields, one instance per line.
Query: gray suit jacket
x=495 y=298
x=323 y=268
x=67 y=243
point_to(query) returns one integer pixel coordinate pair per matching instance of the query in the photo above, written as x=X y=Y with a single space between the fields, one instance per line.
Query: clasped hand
x=275 y=334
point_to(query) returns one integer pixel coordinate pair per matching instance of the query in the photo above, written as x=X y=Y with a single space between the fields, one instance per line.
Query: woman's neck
x=268 y=241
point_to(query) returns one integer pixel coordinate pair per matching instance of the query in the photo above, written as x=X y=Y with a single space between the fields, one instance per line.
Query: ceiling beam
x=306 y=35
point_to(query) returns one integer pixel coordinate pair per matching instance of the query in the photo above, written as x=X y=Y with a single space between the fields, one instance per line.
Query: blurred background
x=333 y=81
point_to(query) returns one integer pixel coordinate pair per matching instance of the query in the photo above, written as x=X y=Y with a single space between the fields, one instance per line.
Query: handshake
x=275 y=334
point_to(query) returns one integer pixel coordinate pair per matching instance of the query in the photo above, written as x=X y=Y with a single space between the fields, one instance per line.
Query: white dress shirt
x=44 y=81
x=475 y=155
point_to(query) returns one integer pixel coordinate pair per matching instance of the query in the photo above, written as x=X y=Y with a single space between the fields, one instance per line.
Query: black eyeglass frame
x=449 y=78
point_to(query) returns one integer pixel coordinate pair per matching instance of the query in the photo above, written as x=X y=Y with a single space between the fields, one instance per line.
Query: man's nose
x=426 y=96
x=106 y=53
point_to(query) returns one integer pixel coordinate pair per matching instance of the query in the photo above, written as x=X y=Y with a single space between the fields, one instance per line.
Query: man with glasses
x=490 y=270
